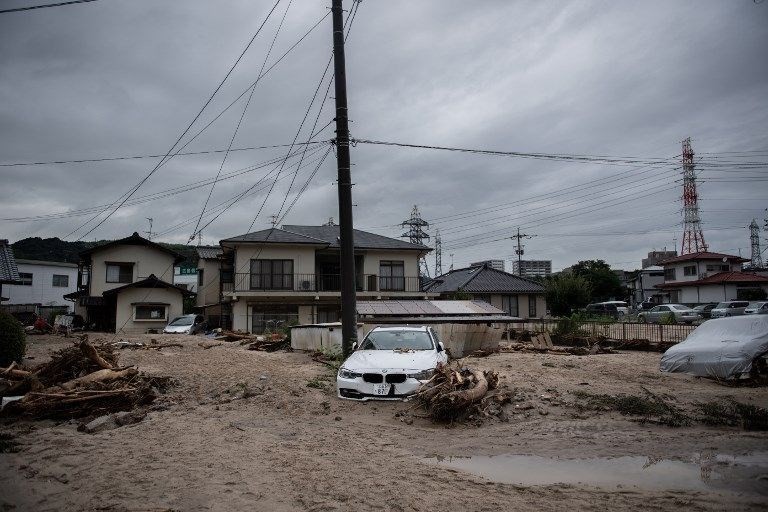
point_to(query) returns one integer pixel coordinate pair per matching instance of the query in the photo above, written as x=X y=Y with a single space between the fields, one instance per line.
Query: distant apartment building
x=532 y=268
x=494 y=264
x=656 y=257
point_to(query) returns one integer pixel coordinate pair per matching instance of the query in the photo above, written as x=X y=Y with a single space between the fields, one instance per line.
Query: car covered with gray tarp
x=722 y=348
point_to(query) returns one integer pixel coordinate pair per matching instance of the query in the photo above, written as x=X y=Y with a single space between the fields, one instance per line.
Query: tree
x=605 y=284
x=566 y=292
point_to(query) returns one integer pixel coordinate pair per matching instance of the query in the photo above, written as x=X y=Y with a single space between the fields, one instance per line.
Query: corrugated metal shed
x=423 y=308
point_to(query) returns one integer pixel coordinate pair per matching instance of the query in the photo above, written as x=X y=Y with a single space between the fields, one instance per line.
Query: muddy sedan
x=390 y=364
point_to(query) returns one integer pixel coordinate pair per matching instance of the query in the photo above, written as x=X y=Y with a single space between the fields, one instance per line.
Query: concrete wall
x=146 y=260
x=711 y=293
x=410 y=261
x=209 y=292
x=42 y=290
x=320 y=337
x=240 y=316
x=125 y=311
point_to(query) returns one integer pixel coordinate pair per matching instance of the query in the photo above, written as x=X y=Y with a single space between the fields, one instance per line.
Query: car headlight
x=348 y=374
x=423 y=374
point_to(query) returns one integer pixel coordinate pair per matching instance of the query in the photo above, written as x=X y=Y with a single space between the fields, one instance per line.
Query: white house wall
x=146 y=261
x=208 y=293
x=42 y=290
x=124 y=314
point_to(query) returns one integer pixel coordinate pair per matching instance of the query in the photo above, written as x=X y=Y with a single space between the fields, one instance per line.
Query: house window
x=271 y=274
x=532 y=306
x=689 y=270
x=200 y=278
x=273 y=317
x=26 y=279
x=60 y=280
x=669 y=274
x=119 y=272
x=718 y=268
x=150 y=312
x=392 y=276
x=509 y=304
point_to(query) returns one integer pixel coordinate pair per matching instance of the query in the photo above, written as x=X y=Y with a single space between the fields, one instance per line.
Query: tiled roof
x=719 y=278
x=151 y=282
x=208 y=253
x=483 y=280
x=324 y=235
x=704 y=256
x=134 y=239
x=9 y=273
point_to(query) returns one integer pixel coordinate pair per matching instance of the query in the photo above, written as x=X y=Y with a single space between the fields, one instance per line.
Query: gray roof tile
x=9 y=273
x=483 y=280
x=324 y=235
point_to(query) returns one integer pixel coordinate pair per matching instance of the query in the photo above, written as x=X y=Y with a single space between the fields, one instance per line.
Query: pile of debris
x=542 y=343
x=81 y=380
x=456 y=393
x=268 y=343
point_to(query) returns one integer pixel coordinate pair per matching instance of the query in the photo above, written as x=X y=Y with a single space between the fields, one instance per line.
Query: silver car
x=658 y=314
x=730 y=308
x=756 y=308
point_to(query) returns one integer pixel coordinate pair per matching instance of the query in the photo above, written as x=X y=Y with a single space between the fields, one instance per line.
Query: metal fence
x=619 y=331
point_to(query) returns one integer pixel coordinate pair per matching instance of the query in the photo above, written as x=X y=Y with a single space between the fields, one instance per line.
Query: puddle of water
x=747 y=473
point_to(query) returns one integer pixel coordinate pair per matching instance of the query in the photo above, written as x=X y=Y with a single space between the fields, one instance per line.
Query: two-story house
x=125 y=285
x=292 y=274
x=703 y=277
x=43 y=285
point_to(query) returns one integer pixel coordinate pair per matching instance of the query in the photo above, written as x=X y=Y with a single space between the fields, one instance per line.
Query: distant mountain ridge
x=55 y=249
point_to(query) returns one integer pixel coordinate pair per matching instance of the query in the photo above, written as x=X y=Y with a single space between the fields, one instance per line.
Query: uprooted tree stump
x=456 y=393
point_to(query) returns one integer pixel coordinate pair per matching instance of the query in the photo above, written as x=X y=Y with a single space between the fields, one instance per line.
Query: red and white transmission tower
x=693 y=238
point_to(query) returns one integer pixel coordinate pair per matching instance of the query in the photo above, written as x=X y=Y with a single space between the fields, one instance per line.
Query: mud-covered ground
x=242 y=430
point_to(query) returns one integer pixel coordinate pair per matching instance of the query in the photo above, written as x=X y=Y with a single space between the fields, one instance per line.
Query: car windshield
x=722 y=305
x=394 y=340
x=181 y=320
x=680 y=308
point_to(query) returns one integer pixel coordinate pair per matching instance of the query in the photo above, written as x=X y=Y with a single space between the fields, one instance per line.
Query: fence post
x=661 y=333
x=623 y=331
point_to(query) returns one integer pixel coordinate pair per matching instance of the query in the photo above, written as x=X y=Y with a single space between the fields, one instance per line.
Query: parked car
x=186 y=324
x=621 y=306
x=705 y=310
x=602 y=309
x=390 y=363
x=660 y=313
x=722 y=348
x=756 y=308
x=730 y=308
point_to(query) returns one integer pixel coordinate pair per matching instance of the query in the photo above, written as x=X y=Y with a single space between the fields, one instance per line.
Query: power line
x=138 y=157
x=133 y=190
x=240 y=122
x=45 y=6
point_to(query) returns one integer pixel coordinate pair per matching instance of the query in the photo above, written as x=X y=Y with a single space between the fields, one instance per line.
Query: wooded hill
x=55 y=249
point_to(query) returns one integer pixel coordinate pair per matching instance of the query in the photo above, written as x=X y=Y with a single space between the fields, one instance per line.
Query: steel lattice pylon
x=438 y=254
x=693 y=238
x=416 y=235
x=754 y=241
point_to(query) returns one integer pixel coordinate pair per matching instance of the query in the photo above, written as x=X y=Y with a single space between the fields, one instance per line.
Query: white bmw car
x=390 y=364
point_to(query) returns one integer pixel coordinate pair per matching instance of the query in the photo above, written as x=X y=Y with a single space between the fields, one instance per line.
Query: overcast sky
x=118 y=78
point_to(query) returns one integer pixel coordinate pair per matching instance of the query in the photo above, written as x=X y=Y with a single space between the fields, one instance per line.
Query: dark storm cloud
x=120 y=78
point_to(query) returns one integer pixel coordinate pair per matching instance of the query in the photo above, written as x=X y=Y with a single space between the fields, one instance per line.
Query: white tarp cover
x=722 y=348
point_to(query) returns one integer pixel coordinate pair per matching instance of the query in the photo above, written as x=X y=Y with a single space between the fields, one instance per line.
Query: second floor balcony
x=314 y=283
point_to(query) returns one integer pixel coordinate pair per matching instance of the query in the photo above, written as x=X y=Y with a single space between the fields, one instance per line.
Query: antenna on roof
x=273 y=220
x=150 y=232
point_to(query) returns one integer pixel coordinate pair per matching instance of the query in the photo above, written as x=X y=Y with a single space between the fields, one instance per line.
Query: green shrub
x=12 y=339
x=668 y=319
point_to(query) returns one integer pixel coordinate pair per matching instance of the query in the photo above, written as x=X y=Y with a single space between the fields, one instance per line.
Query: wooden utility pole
x=346 y=234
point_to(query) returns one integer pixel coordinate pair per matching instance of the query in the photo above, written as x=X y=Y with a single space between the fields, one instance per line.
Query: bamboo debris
x=457 y=393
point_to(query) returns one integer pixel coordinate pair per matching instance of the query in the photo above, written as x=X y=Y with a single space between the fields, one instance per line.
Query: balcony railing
x=244 y=282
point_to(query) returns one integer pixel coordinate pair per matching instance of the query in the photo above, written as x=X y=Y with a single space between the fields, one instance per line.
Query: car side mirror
x=440 y=346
